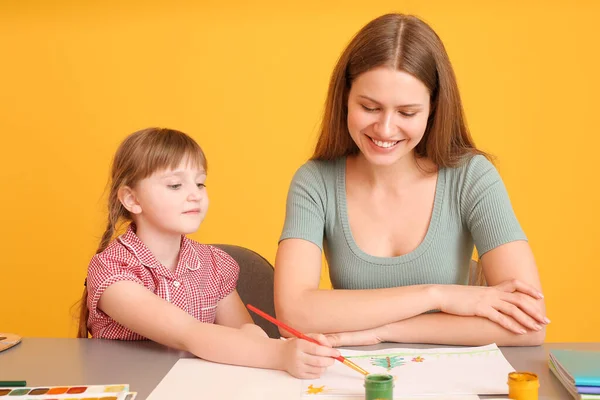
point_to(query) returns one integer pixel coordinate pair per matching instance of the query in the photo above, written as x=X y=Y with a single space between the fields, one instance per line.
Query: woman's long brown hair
x=404 y=43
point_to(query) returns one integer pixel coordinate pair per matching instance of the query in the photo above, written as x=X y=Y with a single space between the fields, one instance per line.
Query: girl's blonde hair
x=140 y=155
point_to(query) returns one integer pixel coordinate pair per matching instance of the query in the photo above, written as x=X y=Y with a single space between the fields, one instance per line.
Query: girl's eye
x=367 y=109
x=201 y=185
x=407 y=114
x=174 y=187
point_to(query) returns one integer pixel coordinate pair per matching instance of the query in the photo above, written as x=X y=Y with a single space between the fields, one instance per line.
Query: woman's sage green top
x=471 y=208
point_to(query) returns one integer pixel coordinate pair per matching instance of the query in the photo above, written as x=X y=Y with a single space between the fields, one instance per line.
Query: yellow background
x=248 y=81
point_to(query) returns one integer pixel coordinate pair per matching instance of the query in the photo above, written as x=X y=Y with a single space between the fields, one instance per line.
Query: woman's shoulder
x=472 y=167
x=324 y=169
x=470 y=162
x=319 y=168
x=317 y=176
x=474 y=177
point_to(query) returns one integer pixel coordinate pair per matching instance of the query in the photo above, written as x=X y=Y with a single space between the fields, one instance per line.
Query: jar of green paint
x=379 y=387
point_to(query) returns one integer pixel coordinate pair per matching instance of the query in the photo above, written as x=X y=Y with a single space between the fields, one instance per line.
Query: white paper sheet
x=417 y=372
x=456 y=374
x=441 y=397
x=196 y=379
x=191 y=378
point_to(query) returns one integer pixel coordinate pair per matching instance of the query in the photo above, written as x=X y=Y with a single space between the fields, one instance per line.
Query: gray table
x=143 y=364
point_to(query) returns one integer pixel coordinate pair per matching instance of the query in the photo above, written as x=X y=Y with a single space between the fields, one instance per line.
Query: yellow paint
x=315 y=390
x=248 y=81
x=418 y=359
x=523 y=386
x=114 y=389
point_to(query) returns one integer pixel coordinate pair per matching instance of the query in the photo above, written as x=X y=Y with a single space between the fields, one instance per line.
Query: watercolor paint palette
x=95 y=392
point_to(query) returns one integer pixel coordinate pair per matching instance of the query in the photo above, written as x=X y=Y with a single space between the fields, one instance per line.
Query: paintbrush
x=301 y=335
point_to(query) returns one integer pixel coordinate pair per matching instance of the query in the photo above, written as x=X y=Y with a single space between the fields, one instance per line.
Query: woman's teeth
x=383 y=144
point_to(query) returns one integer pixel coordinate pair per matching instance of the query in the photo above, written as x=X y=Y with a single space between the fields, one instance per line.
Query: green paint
x=19 y=392
x=379 y=387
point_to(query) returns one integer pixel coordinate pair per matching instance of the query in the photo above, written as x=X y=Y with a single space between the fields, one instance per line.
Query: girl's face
x=173 y=201
x=387 y=114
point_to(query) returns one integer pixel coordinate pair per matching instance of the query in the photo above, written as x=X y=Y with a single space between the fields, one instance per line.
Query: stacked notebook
x=578 y=371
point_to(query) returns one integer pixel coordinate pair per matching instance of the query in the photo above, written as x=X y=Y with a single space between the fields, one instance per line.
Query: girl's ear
x=128 y=199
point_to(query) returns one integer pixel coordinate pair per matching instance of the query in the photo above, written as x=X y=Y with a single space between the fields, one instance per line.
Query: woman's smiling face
x=387 y=114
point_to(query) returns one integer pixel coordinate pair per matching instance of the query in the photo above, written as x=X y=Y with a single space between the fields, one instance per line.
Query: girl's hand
x=357 y=338
x=307 y=360
x=511 y=304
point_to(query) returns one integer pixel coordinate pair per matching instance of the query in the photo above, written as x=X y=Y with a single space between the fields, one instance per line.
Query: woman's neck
x=390 y=177
x=165 y=246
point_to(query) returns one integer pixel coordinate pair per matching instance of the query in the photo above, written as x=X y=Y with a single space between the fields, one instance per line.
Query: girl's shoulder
x=116 y=254
x=217 y=256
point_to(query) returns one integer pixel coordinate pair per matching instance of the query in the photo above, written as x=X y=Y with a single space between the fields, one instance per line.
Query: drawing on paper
x=315 y=390
x=388 y=362
x=434 y=371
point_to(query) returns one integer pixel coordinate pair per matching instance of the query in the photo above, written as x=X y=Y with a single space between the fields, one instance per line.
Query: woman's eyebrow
x=401 y=105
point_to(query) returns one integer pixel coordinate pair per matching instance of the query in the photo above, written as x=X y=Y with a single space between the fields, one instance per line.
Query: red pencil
x=301 y=335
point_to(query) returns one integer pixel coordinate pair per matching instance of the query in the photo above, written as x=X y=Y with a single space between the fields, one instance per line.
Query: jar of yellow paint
x=379 y=387
x=523 y=386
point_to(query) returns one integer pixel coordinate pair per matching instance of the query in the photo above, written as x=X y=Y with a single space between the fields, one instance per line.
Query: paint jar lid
x=523 y=380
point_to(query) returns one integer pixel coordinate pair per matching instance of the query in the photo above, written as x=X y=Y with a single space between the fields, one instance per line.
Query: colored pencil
x=13 y=383
x=300 y=335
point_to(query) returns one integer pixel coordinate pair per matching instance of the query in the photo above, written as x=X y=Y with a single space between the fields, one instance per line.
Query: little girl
x=153 y=282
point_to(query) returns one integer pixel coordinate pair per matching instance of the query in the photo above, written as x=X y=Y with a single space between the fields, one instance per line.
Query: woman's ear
x=129 y=200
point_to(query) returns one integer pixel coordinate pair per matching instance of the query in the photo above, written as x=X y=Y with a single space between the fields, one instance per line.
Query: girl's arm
x=231 y=312
x=141 y=311
x=302 y=305
x=506 y=263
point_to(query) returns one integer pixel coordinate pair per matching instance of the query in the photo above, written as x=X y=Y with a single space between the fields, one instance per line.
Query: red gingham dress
x=203 y=276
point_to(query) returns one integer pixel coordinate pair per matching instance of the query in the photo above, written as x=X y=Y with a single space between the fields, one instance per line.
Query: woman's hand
x=307 y=360
x=511 y=304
